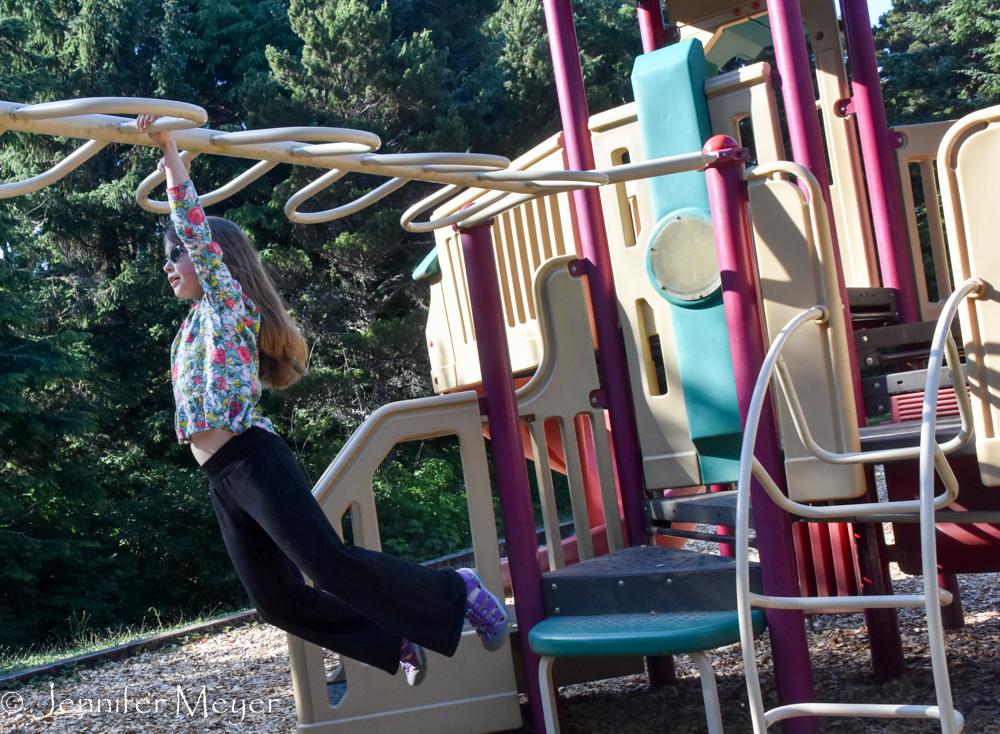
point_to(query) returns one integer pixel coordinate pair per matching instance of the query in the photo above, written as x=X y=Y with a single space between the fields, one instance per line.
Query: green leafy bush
x=422 y=512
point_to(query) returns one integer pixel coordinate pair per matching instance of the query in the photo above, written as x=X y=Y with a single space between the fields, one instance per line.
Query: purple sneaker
x=414 y=661
x=485 y=611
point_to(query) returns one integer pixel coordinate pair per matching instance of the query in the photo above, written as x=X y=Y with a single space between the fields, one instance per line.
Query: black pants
x=273 y=526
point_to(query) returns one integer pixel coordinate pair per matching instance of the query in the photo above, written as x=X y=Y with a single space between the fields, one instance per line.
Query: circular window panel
x=681 y=259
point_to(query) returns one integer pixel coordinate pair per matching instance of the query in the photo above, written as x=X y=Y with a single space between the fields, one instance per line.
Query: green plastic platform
x=639 y=634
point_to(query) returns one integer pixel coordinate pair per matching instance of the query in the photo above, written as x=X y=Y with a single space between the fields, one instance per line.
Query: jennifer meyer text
x=180 y=702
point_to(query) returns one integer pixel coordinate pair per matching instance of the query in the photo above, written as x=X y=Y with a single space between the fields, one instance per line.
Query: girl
x=236 y=340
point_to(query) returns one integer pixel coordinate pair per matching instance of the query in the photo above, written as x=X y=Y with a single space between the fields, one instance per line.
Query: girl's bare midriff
x=205 y=443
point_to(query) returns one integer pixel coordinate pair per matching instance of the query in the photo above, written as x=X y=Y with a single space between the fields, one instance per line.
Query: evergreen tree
x=940 y=59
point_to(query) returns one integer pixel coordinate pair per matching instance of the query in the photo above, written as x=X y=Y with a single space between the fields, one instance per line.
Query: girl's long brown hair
x=283 y=352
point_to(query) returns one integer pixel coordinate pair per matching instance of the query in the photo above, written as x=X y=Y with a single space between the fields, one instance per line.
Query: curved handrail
x=496 y=202
x=542 y=183
x=658 y=166
x=350 y=142
x=487 y=213
x=964 y=404
x=173 y=115
x=74 y=160
x=593 y=178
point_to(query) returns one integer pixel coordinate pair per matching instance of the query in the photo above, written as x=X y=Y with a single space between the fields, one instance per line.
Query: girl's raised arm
x=191 y=224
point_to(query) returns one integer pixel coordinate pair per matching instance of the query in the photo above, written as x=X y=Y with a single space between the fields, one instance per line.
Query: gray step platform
x=713 y=508
x=644 y=579
x=907 y=434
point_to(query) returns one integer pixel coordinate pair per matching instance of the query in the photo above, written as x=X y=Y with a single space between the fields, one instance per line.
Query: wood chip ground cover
x=242 y=682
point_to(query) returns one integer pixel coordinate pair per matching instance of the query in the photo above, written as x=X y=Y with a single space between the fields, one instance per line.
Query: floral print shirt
x=213 y=360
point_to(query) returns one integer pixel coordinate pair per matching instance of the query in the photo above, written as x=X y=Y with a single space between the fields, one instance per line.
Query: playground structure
x=695 y=281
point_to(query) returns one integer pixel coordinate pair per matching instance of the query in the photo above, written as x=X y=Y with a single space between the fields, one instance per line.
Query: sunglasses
x=175 y=255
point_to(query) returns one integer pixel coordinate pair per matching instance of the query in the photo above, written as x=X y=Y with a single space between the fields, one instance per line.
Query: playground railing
x=563 y=393
x=931 y=459
x=371 y=701
x=915 y=159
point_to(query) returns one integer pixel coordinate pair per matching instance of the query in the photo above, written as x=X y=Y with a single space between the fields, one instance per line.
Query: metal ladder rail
x=931 y=457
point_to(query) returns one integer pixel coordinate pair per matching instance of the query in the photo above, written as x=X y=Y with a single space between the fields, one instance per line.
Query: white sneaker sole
x=416 y=677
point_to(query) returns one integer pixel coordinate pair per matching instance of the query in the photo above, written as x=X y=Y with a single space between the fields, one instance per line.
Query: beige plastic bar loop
x=432 y=159
x=562 y=178
x=174 y=115
x=448 y=168
x=67 y=164
x=337 y=140
x=213 y=197
x=406 y=221
x=658 y=167
x=341 y=211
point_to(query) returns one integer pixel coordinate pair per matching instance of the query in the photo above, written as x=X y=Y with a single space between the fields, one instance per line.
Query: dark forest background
x=101 y=511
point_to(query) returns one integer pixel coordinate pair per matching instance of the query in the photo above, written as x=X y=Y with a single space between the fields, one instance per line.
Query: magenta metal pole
x=651 y=28
x=508 y=452
x=727 y=193
x=894 y=258
x=804 y=132
x=593 y=239
x=805 y=136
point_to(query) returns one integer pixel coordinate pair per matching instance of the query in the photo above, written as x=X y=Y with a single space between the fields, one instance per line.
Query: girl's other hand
x=163 y=139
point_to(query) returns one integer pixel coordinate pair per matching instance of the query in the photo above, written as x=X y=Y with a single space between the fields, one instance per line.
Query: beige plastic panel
x=668 y=454
x=968 y=174
x=792 y=281
x=523 y=238
x=847 y=191
x=747 y=92
x=920 y=146
x=707 y=20
x=475 y=690
x=560 y=391
x=704 y=13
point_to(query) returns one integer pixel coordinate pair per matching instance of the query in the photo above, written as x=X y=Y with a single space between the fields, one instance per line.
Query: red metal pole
x=654 y=36
x=807 y=149
x=508 y=451
x=952 y=616
x=600 y=280
x=725 y=550
x=894 y=258
x=727 y=193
